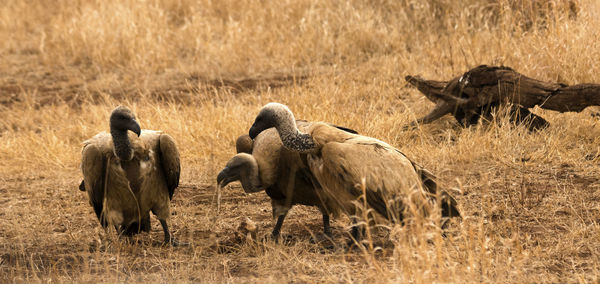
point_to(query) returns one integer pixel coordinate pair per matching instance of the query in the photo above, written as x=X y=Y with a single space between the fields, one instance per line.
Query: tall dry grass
x=200 y=70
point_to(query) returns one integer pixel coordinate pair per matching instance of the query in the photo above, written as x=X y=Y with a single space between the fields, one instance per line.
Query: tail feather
x=449 y=208
x=393 y=212
x=448 y=203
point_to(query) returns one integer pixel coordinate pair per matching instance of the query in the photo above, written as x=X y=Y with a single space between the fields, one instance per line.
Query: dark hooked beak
x=135 y=127
x=254 y=131
x=222 y=177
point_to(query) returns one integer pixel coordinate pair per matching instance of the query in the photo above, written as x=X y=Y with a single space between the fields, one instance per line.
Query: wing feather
x=448 y=203
x=388 y=177
x=93 y=167
x=170 y=163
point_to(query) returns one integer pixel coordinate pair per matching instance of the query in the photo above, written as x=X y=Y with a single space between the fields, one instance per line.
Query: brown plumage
x=127 y=174
x=244 y=144
x=346 y=165
x=263 y=164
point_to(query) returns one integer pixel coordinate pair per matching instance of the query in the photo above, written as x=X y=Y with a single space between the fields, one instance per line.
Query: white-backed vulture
x=244 y=144
x=127 y=174
x=263 y=163
x=346 y=165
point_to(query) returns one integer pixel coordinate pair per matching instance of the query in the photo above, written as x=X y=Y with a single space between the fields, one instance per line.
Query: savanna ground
x=201 y=70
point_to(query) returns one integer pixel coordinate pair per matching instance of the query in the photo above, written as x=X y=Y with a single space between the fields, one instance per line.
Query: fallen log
x=479 y=91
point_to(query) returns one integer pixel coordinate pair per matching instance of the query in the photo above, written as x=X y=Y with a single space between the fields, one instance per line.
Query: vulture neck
x=293 y=139
x=123 y=148
x=249 y=177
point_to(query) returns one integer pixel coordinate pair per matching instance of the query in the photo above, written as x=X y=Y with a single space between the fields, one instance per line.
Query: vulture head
x=244 y=144
x=122 y=119
x=273 y=115
x=242 y=167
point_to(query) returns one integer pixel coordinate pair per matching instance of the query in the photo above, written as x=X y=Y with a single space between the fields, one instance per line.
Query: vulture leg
x=136 y=228
x=126 y=231
x=356 y=232
x=277 y=229
x=168 y=240
x=130 y=230
x=289 y=194
x=326 y=227
x=146 y=223
x=327 y=235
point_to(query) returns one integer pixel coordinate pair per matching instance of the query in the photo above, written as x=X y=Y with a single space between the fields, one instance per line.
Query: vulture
x=263 y=164
x=349 y=166
x=129 y=173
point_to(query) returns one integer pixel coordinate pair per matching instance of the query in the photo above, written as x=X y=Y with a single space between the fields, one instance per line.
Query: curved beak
x=223 y=177
x=254 y=131
x=135 y=127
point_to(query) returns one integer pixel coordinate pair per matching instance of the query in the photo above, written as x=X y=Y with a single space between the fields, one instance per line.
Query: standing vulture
x=127 y=174
x=349 y=165
x=263 y=164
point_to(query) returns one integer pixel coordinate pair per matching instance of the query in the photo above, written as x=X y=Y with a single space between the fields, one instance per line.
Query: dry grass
x=200 y=70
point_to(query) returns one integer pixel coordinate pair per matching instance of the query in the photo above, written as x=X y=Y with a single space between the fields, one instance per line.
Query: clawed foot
x=275 y=238
x=353 y=246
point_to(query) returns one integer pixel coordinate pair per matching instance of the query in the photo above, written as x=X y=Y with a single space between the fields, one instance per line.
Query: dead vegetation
x=201 y=70
x=477 y=93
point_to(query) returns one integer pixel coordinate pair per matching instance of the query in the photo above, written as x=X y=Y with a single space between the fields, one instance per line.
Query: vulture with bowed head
x=129 y=172
x=349 y=166
x=263 y=164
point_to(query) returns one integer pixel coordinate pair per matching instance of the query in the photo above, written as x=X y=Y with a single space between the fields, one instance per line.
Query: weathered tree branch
x=483 y=88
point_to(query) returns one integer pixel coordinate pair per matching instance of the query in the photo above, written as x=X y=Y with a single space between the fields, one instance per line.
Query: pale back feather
x=348 y=163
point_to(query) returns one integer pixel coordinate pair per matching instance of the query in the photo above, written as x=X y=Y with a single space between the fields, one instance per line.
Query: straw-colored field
x=201 y=70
